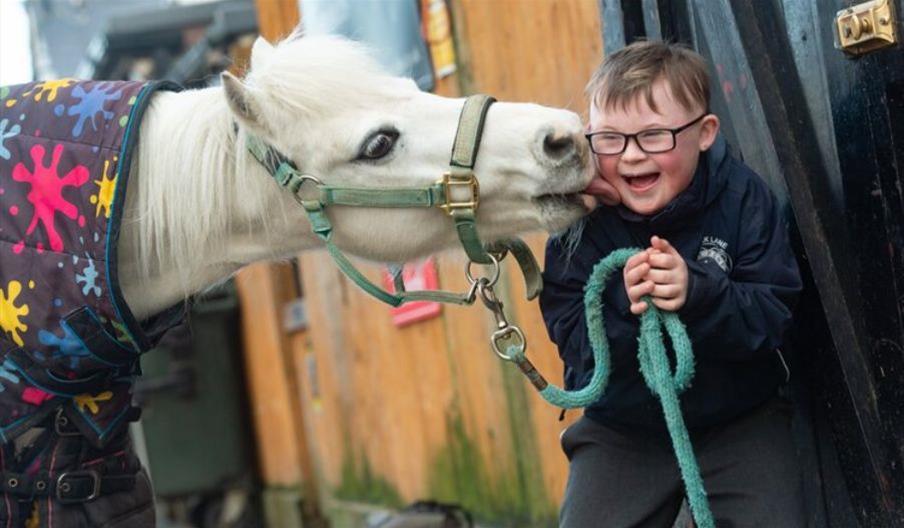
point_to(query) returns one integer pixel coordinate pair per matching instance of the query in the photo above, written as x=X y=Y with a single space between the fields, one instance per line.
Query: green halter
x=457 y=193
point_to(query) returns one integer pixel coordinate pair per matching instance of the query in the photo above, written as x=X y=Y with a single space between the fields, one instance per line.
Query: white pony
x=199 y=207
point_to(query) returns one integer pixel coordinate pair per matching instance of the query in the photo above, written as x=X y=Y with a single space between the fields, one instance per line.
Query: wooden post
x=277 y=18
x=290 y=494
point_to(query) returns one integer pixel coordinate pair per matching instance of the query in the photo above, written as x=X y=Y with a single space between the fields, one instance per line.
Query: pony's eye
x=378 y=145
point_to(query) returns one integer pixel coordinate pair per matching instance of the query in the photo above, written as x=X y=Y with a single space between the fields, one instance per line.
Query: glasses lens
x=656 y=140
x=607 y=143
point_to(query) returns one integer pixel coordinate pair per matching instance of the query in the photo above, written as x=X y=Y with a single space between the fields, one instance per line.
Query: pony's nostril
x=557 y=145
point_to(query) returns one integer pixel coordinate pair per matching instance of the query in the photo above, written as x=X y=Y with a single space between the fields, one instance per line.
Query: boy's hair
x=631 y=71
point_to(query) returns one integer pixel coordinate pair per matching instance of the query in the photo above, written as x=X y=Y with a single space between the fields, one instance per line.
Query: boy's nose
x=633 y=151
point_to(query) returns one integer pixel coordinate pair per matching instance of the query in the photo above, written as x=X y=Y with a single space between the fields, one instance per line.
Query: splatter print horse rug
x=69 y=344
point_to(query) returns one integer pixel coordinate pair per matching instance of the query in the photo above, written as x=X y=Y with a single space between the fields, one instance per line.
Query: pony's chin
x=558 y=211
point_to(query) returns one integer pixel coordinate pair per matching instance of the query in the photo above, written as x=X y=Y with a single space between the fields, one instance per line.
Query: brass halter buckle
x=449 y=183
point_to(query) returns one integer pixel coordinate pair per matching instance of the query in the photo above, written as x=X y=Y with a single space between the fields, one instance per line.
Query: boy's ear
x=709 y=129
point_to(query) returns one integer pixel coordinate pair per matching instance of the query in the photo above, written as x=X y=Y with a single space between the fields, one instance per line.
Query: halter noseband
x=457 y=193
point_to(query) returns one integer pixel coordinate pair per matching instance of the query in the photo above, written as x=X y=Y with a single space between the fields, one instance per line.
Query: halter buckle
x=450 y=182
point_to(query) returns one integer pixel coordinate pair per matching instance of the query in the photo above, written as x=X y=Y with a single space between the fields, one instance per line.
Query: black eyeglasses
x=652 y=141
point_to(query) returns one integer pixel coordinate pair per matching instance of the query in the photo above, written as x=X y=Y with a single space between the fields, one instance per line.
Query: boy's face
x=647 y=182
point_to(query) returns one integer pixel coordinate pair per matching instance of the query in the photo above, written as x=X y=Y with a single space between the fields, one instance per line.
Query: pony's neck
x=197 y=208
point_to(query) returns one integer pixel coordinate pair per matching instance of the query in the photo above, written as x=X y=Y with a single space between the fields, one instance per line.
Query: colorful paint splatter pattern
x=61 y=154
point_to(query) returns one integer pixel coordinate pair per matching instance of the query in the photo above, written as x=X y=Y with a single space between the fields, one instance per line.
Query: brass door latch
x=866 y=27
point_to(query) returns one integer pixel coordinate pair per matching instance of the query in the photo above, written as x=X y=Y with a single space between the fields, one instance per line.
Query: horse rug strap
x=68 y=339
x=60 y=480
x=457 y=193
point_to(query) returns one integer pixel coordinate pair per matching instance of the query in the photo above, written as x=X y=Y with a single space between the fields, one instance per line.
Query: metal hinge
x=866 y=27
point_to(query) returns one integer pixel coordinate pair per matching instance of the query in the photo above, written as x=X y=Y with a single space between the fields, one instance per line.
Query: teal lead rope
x=655 y=367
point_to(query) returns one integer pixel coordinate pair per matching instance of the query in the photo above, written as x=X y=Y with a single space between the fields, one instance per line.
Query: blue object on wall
x=391 y=28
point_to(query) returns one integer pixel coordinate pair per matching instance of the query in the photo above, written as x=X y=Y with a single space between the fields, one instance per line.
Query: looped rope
x=654 y=366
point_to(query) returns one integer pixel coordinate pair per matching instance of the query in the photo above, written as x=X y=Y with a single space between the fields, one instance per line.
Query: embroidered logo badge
x=716 y=250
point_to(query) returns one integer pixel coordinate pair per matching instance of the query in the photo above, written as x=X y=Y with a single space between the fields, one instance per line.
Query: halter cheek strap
x=461 y=174
x=457 y=193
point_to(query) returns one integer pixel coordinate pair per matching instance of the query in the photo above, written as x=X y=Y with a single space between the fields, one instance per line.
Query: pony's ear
x=260 y=52
x=297 y=33
x=242 y=102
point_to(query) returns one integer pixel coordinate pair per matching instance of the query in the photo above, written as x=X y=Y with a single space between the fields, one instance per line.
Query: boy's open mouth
x=641 y=182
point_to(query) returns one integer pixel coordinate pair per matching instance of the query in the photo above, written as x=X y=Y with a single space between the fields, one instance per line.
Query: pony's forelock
x=317 y=74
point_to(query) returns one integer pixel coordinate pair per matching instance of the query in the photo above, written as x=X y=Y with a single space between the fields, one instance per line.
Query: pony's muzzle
x=560 y=147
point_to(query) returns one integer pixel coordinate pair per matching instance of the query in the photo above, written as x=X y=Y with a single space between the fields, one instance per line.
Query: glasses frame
x=674 y=131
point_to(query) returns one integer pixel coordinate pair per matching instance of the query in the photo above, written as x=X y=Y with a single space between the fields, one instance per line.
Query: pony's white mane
x=303 y=77
x=202 y=149
x=312 y=75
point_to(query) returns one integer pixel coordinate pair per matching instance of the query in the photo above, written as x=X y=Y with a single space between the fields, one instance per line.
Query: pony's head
x=324 y=103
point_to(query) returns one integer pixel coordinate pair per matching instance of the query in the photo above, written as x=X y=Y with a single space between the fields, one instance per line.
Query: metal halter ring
x=304 y=178
x=493 y=277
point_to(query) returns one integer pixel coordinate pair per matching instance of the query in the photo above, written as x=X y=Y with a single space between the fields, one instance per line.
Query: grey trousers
x=621 y=479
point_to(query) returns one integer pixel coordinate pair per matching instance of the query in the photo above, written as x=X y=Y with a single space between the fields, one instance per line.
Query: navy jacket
x=743 y=281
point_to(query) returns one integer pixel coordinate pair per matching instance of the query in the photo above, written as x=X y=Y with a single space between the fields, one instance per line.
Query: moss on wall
x=510 y=497
x=511 y=494
x=359 y=483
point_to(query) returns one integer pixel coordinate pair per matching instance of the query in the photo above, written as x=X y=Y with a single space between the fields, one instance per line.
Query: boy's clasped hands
x=660 y=272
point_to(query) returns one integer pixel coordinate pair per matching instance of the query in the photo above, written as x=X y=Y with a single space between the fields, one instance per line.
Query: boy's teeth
x=642 y=180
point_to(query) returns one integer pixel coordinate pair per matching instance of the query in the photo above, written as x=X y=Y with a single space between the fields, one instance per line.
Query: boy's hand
x=668 y=273
x=636 y=284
